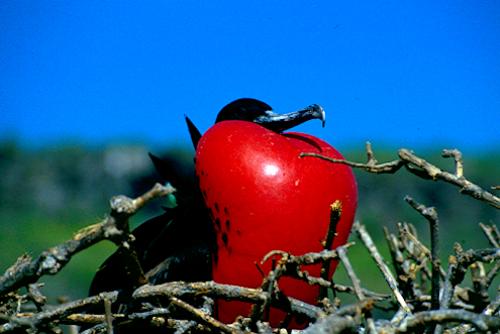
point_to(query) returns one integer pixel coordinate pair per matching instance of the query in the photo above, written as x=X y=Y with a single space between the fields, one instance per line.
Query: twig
x=410 y=258
x=458 y=266
x=405 y=229
x=94 y=319
x=207 y=308
x=218 y=290
x=357 y=287
x=203 y=317
x=459 y=164
x=97 y=329
x=369 y=294
x=114 y=227
x=431 y=215
x=36 y=295
x=479 y=296
x=406 y=270
x=423 y=169
x=108 y=316
x=493 y=307
x=270 y=287
x=383 y=168
x=307 y=258
x=491 y=232
x=40 y=318
x=489 y=311
x=370 y=156
x=417 y=321
x=370 y=245
x=465 y=185
x=350 y=272
x=335 y=214
x=287 y=265
x=344 y=320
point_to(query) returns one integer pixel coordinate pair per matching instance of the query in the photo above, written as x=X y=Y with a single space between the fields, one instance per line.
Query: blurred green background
x=47 y=194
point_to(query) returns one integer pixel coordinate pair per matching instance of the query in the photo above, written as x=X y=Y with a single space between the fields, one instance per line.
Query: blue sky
x=403 y=73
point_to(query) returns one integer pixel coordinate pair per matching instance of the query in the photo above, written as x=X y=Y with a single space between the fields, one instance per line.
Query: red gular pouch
x=263 y=196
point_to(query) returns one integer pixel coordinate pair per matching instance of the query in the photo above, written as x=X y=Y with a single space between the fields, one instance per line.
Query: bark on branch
x=114 y=227
x=422 y=168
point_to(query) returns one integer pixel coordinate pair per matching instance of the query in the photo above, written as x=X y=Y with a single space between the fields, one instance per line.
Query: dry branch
x=203 y=317
x=417 y=322
x=114 y=227
x=422 y=168
x=431 y=215
x=41 y=318
x=344 y=320
x=370 y=245
x=356 y=286
x=458 y=309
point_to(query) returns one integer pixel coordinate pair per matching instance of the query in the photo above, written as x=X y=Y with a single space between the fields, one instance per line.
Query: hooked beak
x=282 y=122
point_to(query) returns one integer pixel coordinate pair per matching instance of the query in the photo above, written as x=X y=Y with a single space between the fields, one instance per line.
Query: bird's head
x=253 y=110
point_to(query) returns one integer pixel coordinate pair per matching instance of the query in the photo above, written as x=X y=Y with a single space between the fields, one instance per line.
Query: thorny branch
x=448 y=304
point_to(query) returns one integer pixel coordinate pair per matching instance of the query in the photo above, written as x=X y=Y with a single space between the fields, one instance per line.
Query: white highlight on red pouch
x=271 y=170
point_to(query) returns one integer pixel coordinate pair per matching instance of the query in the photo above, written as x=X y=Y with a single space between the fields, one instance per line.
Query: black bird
x=176 y=245
x=180 y=244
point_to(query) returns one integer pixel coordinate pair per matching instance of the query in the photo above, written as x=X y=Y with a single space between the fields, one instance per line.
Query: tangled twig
x=448 y=304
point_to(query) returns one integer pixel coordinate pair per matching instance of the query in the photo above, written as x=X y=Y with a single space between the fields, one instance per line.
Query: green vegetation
x=46 y=195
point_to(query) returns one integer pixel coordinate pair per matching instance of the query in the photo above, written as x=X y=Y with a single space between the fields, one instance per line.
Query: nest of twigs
x=425 y=296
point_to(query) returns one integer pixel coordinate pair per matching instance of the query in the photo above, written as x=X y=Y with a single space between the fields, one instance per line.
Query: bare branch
x=203 y=317
x=491 y=232
x=350 y=272
x=114 y=227
x=421 y=168
x=370 y=245
x=357 y=287
x=38 y=319
x=218 y=290
x=167 y=305
x=335 y=214
x=459 y=164
x=436 y=173
x=418 y=321
x=344 y=320
x=458 y=266
x=431 y=215
x=383 y=168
